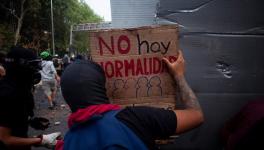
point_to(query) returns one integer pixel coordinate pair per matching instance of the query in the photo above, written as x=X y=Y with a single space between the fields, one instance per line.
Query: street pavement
x=57 y=117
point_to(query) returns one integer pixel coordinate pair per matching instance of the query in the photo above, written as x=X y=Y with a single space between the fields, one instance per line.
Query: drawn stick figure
x=118 y=91
x=142 y=87
x=155 y=86
x=130 y=88
x=109 y=89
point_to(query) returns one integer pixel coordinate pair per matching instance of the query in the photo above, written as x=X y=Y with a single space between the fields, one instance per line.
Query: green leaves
x=36 y=27
x=6 y=37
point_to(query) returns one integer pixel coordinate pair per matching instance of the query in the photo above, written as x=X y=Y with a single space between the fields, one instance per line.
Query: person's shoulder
x=145 y=111
x=144 y=108
x=6 y=84
x=149 y=123
x=49 y=63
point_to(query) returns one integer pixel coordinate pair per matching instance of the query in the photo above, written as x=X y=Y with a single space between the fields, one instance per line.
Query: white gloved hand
x=50 y=140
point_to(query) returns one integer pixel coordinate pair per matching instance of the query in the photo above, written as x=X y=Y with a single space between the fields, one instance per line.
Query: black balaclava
x=22 y=67
x=83 y=84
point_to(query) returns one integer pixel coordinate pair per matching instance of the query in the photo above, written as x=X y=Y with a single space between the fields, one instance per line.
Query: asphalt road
x=57 y=117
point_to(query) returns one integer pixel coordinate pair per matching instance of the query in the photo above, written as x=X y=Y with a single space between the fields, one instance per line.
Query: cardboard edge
x=166 y=26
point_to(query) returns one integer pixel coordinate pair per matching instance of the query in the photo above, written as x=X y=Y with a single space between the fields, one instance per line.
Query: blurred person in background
x=49 y=78
x=66 y=61
x=57 y=64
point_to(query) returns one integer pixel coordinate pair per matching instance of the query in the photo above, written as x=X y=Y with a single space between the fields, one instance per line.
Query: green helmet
x=44 y=54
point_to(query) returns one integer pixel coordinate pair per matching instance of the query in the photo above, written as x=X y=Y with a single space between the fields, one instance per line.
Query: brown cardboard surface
x=131 y=59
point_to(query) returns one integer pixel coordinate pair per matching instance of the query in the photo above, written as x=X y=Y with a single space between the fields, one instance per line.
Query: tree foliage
x=30 y=22
x=6 y=37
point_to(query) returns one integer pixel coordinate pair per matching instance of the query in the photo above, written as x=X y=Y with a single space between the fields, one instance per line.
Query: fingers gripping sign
x=176 y=68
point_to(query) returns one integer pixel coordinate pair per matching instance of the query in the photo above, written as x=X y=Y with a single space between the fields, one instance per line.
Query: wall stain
x=224 y=68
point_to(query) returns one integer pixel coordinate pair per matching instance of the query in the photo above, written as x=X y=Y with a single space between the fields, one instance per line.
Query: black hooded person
x=22 y=72
x=16 y=99
x=97 y=124
x=90 y=80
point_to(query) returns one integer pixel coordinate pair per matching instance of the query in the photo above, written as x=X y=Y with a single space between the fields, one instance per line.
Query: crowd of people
x=94 y=123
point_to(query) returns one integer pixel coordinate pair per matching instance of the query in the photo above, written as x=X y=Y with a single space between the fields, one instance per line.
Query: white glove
x=50 y=140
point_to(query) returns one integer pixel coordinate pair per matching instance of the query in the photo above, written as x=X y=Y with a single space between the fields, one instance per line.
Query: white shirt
x=48 y=71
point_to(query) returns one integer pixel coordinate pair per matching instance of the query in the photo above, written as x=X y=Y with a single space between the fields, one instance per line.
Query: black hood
x=83 y=84
x=22 y=66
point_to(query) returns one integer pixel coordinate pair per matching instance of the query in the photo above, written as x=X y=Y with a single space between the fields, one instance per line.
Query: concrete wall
x=132 y=13
x=223 y=44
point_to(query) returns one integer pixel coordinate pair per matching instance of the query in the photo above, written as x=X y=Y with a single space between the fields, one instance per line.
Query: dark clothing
x=245 y=130
x=16 y=99
x=149 y=123
x=65 y=61
x=253 y=139
x=140 y=123
x=102 y=132
x=2 y=146
x=15 y=107
x=83 y=88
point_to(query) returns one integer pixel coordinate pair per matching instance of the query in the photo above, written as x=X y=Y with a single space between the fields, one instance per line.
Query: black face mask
x=83 y=84
x=24 y=72
x=22 y=67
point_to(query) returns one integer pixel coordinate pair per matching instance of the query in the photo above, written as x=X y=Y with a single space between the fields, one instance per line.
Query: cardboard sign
x=131 y=59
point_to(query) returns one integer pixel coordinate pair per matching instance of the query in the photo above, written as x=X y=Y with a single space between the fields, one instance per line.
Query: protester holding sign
x=97 y=124
x=132 y=62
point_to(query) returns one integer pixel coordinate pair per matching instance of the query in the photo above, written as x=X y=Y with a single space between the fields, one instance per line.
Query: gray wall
x=223 y=44
x=132 y=13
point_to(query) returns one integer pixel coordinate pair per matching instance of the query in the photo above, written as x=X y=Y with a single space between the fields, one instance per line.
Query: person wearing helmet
x=17 y=102
x=49 y=78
